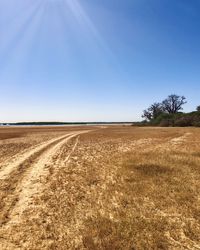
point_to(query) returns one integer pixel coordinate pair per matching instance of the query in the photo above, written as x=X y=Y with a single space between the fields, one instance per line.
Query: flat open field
x=99 y=188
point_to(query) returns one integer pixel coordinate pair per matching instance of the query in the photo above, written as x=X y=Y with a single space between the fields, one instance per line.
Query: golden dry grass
x=122 y=188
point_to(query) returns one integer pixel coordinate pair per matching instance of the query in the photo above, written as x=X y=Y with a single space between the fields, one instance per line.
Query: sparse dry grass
x=123 y=188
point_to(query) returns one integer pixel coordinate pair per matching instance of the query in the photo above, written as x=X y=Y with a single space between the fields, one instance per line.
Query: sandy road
x=20 y=181
x=8 y=168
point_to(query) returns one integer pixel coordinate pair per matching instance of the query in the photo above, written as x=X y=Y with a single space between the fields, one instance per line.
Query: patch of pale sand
x=31 y=184
x=128 y=147
x=174 y=142
x=183 y=243
x=180 y=139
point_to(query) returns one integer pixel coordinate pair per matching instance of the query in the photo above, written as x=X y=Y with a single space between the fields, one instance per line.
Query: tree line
x=169 y=113
x=171 y=105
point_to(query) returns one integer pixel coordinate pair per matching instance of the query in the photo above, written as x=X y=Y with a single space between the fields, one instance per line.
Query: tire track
x=8 y=168
x=20 y=181
x=31 y=184
x=72 y=151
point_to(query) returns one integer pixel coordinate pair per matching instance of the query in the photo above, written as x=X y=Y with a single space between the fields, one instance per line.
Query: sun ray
x=20 y=41
x=20 y=22
x=85 y=21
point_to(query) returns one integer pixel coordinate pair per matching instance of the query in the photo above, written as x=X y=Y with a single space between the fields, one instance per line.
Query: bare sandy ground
x=21 y=174
x=99 y=188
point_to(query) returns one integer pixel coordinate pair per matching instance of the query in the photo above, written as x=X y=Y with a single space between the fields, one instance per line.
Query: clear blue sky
x=96 y=60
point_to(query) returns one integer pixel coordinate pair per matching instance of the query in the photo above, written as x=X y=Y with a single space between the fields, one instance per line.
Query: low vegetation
x=168 y=114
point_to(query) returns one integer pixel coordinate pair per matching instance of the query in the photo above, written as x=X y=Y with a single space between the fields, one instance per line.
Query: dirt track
x=20 y=179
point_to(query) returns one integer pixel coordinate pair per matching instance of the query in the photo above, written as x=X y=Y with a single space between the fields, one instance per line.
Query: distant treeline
x=174 y=120
x=61 y=123
x=168 y=114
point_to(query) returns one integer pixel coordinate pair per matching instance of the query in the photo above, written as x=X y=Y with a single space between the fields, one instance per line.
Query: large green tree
x=173 y=103
x=153 y=111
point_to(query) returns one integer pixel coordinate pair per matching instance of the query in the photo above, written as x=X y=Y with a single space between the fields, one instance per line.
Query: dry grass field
x=109 y=188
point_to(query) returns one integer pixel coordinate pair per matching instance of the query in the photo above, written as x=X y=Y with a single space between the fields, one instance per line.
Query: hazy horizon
x=90 y=60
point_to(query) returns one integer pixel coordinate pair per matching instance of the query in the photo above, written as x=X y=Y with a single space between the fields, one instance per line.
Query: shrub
x=184 y=121
x=166 y=123
x=196 y=124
